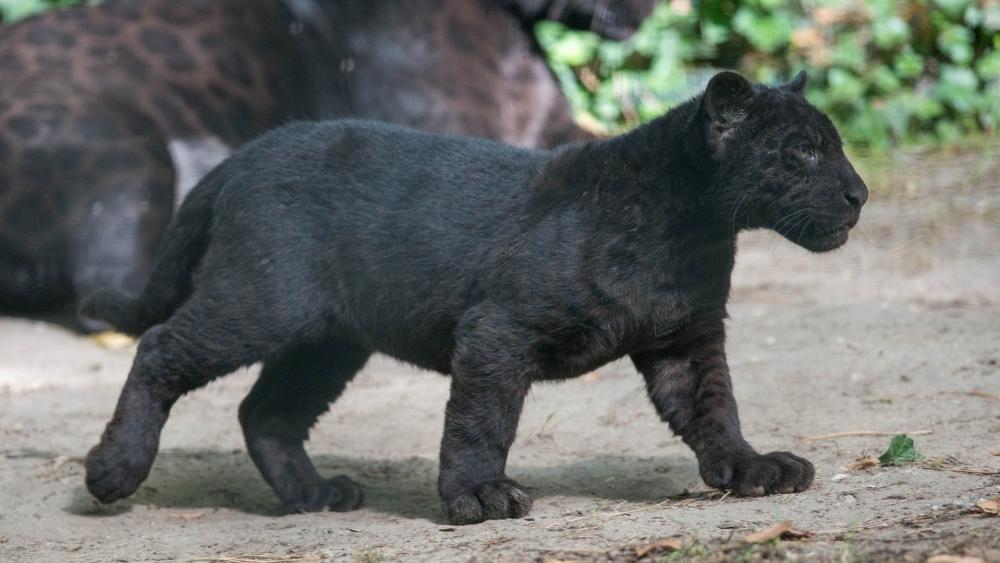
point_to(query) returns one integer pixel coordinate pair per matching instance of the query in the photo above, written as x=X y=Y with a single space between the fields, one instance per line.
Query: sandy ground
x=895 y=332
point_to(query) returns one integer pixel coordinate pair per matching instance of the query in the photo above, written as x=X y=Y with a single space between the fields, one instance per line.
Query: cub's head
x=612 y=19
x=780 y=162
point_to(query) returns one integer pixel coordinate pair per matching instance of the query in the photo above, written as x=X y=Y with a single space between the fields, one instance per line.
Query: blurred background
x=890 y=72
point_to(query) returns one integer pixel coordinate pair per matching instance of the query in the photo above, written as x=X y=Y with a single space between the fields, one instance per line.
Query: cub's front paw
x=114 y=471
x=754 y=475
x=493 y=500
x=339 y=494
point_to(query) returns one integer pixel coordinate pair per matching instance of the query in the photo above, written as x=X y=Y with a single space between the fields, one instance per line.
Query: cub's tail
x=169 y=284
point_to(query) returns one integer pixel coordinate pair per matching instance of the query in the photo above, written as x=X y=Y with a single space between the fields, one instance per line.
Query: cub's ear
x=798 y=84
x=726 y=97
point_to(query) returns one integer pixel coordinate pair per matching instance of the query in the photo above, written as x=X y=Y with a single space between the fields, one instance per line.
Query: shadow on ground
x=402 y=487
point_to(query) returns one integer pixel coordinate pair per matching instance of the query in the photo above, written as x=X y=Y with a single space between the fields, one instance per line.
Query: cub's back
x=409 y=178
x=387 y=226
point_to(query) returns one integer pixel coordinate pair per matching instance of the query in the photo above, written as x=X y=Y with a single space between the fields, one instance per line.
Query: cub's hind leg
x=294 y=389
x=204 y=339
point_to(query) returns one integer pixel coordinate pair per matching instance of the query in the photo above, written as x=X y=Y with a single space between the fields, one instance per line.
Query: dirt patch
x=896 y=332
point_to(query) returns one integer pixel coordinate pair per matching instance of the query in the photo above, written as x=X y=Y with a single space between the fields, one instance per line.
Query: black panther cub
x=321 y=243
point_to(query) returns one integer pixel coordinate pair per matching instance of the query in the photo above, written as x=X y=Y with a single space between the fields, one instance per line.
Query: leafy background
x=13 y=10
x=890 y=72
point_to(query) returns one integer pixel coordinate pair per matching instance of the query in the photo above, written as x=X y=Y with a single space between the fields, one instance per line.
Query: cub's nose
x=856 y=192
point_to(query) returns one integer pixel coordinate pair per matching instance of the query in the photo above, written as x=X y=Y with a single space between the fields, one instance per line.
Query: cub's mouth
x=821 y=238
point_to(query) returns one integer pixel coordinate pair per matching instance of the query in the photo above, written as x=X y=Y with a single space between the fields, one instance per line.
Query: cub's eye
x=806 y=151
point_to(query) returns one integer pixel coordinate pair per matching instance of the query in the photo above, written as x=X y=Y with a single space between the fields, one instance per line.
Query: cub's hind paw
x=756 y=475
x=340 y=494
x=493 y=500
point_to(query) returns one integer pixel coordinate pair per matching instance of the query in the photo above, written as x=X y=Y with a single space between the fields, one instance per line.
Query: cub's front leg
x=489 y=382
x=690 y=387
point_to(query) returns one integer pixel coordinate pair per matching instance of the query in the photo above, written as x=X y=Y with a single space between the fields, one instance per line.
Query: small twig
x=608 y=515
x=568 y=551
x=865 y=433
x=255 y=558
x=957 y=467
x=972 y=470
x=982 y=394
x=496 y=541
x=885 y=523
x=593 y=520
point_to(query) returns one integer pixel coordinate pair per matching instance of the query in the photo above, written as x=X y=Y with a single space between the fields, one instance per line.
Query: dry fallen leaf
x=666 y=544
x=111 y=340
x=954 y=559
x=989 y=506
x=771 y=533
x=862 y=463
x=192 y=515
x=794 y=534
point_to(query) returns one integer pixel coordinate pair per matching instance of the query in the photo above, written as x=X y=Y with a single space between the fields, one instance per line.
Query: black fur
x=321 y=243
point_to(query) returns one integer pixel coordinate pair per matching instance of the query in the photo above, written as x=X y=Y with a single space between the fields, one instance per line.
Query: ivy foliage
x=889 y=72
x=13 y=10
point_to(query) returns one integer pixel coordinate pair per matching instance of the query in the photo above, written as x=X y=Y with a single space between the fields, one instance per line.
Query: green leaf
x=772 y=4
x=575 y=48
x=14 y=10
x=956 y=42
x=612 y=54
x=898 y=112
x=953 y=8
x=891 y=31
x=948 y=132
x=991 y=17
x=651 y=108
x=844 y=86
x=909 y=64
x=988 y=67
x=973 y=17
x=901 y=450
x=927 y=108
x=867 y=127
x=957 y=87
x=849 y=52
x=713 y=33
x=884 y=79
x=765 y=31
x=547 y=32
